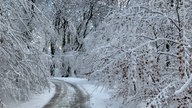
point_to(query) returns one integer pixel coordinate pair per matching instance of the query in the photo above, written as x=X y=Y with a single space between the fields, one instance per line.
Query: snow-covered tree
x=73 y=20
x=142 y=52
x=23 y=65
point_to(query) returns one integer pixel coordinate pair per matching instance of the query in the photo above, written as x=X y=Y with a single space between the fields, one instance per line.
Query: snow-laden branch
x=151 y=11
x=154 y=40
x=167 y=53
x=174 y=23
x=99 y=48
x=108 y=65
x=162 y=95
x=184 y=86
x=160 y=13
x=150 y=38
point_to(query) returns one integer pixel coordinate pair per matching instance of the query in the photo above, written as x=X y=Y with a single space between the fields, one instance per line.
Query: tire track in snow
x=55 y=99
x=67 y=95
x=80 y=97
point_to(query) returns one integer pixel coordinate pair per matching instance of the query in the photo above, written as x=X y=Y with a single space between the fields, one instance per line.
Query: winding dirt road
x=68 y=95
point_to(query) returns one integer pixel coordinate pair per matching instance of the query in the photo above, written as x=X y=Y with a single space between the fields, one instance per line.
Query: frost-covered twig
x=151 y=41
x=165 y=93
x=187 y=83
x=167 y=53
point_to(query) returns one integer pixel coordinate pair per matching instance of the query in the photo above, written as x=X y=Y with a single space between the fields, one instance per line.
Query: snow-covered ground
x=99 y=97
x=36 y=101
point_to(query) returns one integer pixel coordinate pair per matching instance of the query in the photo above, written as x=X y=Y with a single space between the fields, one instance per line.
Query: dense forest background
x=140 y=49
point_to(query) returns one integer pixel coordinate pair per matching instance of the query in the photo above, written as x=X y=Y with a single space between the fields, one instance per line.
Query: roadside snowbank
x=36 y=101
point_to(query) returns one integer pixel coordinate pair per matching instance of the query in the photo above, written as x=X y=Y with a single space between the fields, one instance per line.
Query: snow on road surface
x=91 y=96
x=99 y=97
x=67 y=96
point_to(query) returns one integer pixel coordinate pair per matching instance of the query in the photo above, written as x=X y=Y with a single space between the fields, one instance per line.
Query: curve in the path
x=80 y=98
x=68 y=95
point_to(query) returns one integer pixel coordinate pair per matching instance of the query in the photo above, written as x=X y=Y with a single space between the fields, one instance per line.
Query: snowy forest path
x=68 y=95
